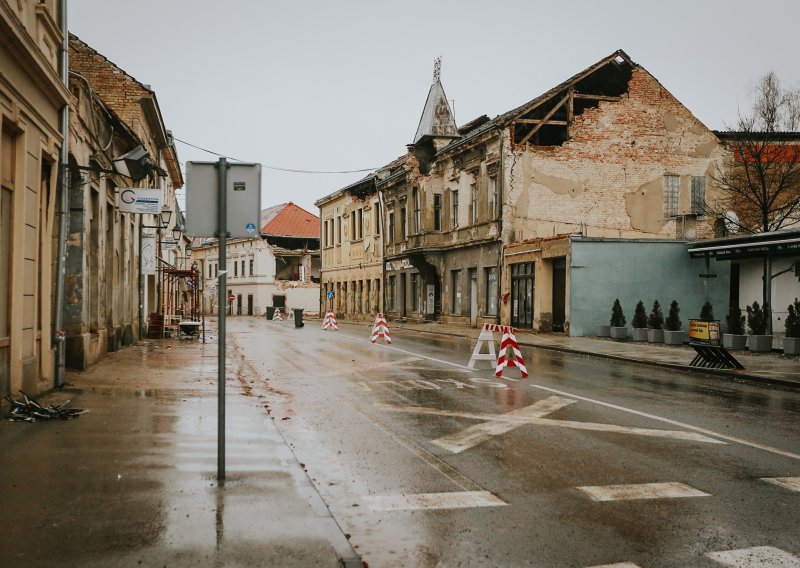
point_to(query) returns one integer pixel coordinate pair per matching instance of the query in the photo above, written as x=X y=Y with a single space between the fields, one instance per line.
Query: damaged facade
x=478 y=218
x=32 y=96
x=281 y=269
x=114 y=113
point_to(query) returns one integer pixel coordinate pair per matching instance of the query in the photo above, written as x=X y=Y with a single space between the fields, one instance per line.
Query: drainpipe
x=64 y=183
x=381 y=204
x=501 y=257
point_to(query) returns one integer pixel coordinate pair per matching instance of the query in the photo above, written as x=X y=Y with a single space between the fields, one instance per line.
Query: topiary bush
x=707 y=312
x=793 y=320
x=735 y=321
x=656 y=319
x=757 y=318
x=673 y=322
x=617 y=317
x=639 y=316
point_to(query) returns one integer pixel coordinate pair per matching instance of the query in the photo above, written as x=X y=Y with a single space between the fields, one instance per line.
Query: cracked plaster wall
x=607 y=180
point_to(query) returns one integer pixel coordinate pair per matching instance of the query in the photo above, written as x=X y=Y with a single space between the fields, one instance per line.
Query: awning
x=760 y=245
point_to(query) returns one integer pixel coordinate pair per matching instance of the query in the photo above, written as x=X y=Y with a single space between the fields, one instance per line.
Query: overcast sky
x=339 y=85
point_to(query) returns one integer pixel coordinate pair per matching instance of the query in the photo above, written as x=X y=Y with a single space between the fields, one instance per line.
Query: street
x=587 y=462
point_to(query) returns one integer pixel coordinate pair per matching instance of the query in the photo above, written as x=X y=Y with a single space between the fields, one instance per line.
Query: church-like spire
x=437 y=116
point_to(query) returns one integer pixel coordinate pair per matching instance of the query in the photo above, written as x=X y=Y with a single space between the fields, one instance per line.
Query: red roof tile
x=292 y=221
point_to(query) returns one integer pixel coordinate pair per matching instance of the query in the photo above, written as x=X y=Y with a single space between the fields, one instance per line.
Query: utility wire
x=275 y=167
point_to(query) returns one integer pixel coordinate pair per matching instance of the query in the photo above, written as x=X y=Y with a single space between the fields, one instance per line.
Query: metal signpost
x=223 y=200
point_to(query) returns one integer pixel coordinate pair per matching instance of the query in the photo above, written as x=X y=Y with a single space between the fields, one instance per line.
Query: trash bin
x=270 y=312
x=298 y=317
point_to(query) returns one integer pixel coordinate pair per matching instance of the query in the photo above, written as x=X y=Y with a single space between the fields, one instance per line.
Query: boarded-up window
x=672 y=191
x=698 y=194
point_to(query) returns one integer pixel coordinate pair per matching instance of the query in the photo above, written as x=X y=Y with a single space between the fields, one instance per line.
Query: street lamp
x=166 y=213
x=176 y=232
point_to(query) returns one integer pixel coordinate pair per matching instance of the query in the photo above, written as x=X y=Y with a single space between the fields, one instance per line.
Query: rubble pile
x=28 y=410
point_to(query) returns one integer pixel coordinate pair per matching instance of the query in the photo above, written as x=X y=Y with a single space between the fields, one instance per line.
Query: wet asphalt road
x=426 y=463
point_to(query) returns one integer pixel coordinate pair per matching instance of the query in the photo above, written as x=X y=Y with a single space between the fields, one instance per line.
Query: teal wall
x=603 y=270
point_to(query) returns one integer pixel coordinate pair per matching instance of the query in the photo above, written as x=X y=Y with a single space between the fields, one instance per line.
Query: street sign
x=148 y=259
x=242 y=199
x=330 y=294
x=231 y=298
x=139 y=200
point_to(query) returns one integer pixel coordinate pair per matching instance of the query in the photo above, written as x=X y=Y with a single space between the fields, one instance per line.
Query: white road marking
x=790 y=483
x=474 y=435
x=452 y=500
x=669 y=490
x=673 y=434
x=497 y=424
x=705 y=431
x=618 y=565
x=756 y=557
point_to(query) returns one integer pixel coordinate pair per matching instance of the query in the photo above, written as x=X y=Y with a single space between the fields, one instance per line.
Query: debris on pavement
x=29 y=410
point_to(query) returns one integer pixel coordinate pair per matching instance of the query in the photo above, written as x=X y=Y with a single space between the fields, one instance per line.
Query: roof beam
x=597 y=97
x=539 y=121
x=547 y=117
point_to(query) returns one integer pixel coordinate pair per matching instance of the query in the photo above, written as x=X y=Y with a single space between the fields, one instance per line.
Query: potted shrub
x=618 y=328
x=757 y=318
x=707 y=312
x=673 y=334
x=639 y=322
x=655 y=324
x=791 y=343
x=735 y=338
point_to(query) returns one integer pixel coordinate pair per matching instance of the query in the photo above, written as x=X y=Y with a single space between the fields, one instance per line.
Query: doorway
x=249 y=304
x=559 y=293
x=473 y=296
x=522 y=288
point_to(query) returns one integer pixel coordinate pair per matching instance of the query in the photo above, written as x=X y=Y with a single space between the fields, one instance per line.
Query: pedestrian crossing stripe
x=756 y=557
x=449 y=500
x=670 y=490
x=790 y=483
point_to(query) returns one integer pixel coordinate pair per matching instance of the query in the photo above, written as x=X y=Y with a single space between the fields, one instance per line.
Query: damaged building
x=281 y=269
x=481 y=220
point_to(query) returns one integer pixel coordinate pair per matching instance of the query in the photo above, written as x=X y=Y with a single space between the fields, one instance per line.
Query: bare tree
x=760 y=181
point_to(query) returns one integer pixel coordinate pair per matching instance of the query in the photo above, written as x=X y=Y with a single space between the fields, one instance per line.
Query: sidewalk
x=133 y=481
x=772 y=367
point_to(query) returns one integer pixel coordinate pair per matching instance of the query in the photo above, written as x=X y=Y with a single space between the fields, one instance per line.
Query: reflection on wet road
x=586 y=462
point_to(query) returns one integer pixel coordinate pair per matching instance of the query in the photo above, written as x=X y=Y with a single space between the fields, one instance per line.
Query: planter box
x=619 y=332
x=732 y=341
x=640 y=333
x=791 y=345
x=674 y=337
x=603 y=331
x=759 y=343
x=655 y=335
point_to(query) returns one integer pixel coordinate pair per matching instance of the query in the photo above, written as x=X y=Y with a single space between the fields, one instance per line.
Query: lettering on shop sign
x=425 y=384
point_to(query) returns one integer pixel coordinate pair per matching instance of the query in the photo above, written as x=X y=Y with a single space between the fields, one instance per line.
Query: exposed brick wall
x=607 y=179
x=121 y=92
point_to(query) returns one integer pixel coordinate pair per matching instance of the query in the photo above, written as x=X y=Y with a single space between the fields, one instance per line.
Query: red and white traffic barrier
x=277 y=315
x=330 y=321
x=515 y=359
x=380 y=329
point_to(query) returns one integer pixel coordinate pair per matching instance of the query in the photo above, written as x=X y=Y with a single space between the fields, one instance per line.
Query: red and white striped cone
x=380 y=329
x=515 y=359
x=277 y=315
x=330 y=321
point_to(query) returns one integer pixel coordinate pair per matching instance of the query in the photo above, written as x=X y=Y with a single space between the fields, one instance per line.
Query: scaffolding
x=181 y=300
